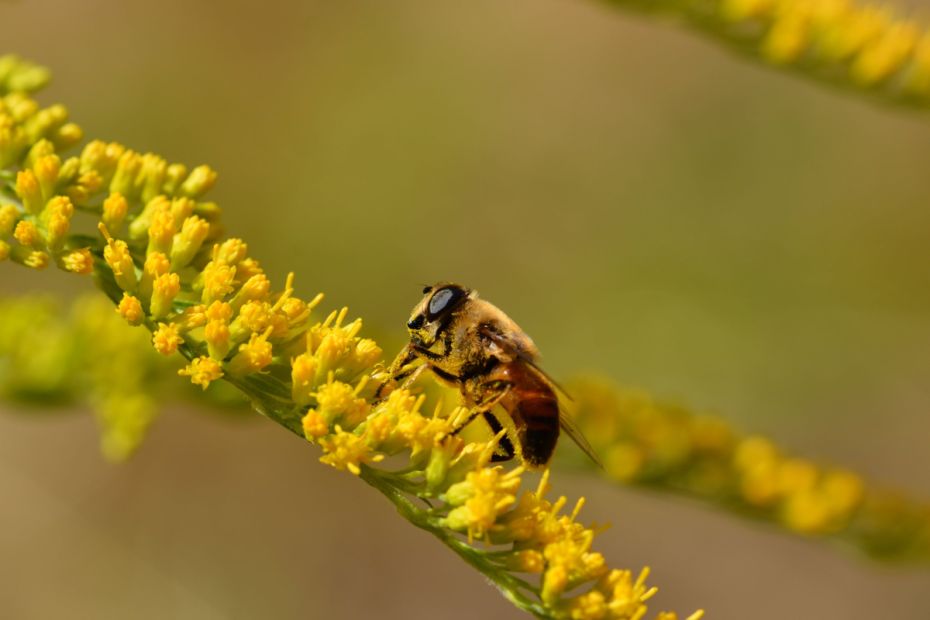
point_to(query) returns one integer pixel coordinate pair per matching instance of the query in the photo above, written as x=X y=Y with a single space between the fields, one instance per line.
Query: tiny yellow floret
x=167 y=338
x=78 y=261
x=202 y=371
x=130 y=309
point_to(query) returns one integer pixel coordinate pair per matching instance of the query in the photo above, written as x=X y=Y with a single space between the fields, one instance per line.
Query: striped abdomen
x=534 y=408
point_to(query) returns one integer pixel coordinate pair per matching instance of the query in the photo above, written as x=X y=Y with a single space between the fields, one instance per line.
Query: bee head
x=435 y=310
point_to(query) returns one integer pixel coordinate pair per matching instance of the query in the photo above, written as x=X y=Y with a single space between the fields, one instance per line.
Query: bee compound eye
x=442 y=300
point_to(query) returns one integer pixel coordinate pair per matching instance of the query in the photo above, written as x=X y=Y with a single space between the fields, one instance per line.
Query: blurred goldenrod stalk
x=86 y=354
x=86 y=357
x=161 y=257
x=665 y=447
x=857 y=45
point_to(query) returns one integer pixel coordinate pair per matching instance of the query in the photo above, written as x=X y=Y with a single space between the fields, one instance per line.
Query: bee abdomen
x=540 y=430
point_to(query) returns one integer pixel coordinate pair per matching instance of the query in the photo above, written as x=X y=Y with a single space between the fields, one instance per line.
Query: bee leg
x=484 y=407
x=396 y=372
x=411 y=376
x=505 y=450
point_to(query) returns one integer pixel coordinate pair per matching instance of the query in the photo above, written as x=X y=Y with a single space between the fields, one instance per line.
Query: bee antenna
x=426 y=288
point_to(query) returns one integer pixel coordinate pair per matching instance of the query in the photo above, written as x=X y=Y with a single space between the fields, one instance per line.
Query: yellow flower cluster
x=83 y=356
x=662 y=446
x=160 y=257
x=861 y=45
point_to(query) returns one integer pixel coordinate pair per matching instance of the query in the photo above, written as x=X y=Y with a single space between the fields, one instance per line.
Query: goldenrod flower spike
x=861 y=46
x=216 y=307
x=648 y=443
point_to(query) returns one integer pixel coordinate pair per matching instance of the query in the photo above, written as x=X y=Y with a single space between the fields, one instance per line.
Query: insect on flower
x=472 y=345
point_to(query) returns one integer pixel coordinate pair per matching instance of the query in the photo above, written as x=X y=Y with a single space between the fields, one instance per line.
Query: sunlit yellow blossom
x=218 y=311
x=27 y=188
x=84 y=187
x=303 y=378
x=167 y=338
x=130 y=309
x=218 y=281
x=481 y=498
x=528 y=561
x=315 y=425
x=117 y=256
x=255 y=288
x=194 y=317
x=165 y=288
x=57 y=217
x=187 y=242
x=254 y=356
x=115 y=209
x=200 y=180
x=36 y=259
x=46 y=169
x=340 y=400
x=247 y=268
x=216 y=335
x=344 y=450
x=8 y=217
x=161 y=232
x=27 y=234
x=202 y=371
x=230 y=252
x=625 y=597
x=78 y=261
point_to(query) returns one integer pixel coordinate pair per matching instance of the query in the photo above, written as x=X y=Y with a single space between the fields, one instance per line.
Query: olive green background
x=646 y=205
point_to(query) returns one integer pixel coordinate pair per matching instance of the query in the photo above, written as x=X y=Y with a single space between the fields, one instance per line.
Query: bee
x=472 y=345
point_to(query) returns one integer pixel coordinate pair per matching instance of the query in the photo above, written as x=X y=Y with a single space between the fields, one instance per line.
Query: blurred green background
x=644 y=204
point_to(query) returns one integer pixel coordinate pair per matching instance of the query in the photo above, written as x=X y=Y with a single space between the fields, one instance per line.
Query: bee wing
x=512 y=346
x=568 y=425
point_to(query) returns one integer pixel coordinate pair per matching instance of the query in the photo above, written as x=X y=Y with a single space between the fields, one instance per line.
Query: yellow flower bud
x=57 y=217
x=36 y=259
x=166 y=338
x=151 y=176
x=187 y=243
x=216 y=334
x=217 y=281
x=139 y=227
x=27 y=188
x=181 y=209
x=78 y=261
x=67 y=136
x=202 y=371
x=253 y=356
x=230 y=252
x=174 y=176
x=218 y=311
x=164 y=289
x=46 y=170
x=156 y=264
x=115 y=209
x=130 y=309
x=4 y=250
x=200 y=180
x=303 y=378
x=8 y=215
x=315 y=425
x=117 y=256
x=161 y=233
x=27 y=234
x=124 y=177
